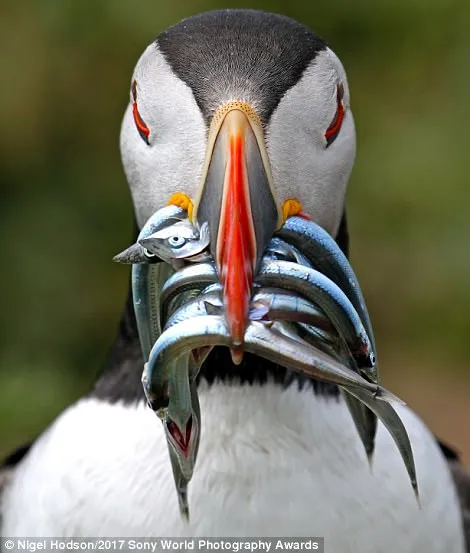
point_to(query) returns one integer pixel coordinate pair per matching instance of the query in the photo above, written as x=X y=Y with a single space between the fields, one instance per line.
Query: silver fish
x=282 y=250
x=181 y=417
x=320 y=333
x=331 y=344
x=167 y=216
x=147 y=281
x=364 y=420
x=278 y=249
x=329 y=297
x=282 y=305
x=277 y=347
x=308 y=282
x=136 y=254
x=314 y=335
x=268 y=304
x=181 y=413
x=183 y=307
x=307 y=359
x=214 y=287
x=190 y=277
x=392 y=422
x=326 y=256
x=211 y=330
x=279 y=305
x=378 y=405
x=188 y=305
x=209 y=303
x=178 y=241
x=181 y=484
x=182 y=426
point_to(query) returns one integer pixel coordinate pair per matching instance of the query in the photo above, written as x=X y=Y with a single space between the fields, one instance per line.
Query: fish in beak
x=237 y=200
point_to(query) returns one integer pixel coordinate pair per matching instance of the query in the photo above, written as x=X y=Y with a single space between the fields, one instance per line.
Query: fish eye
x=176 y=241
x=148 y=253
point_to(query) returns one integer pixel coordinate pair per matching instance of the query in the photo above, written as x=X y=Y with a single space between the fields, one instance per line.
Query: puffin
x=279 y=455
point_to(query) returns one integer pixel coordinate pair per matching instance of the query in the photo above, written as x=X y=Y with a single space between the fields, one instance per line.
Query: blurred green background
x=65 y=209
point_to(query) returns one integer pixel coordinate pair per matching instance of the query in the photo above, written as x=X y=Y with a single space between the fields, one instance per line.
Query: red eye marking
x=335 y=126
x=144 y=131
x=181 y=441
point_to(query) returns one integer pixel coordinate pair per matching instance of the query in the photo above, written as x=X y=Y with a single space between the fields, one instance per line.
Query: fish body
x=179 y=410
x=326 y=256
x=364 y=419
x=282 y=250
x=182 y=426
x=136 y=254
x=279 y=305
x=362 y=398
x=329 y=297
x=203 y=304
x=318 y=312
x=305 y=358
x=392 y=422
x=167 y=216
x=191 y=277
x=212 y=330
x=147 y=281
x=291 y=307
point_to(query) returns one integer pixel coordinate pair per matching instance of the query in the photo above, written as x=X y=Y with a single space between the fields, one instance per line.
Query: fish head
x=178 y=241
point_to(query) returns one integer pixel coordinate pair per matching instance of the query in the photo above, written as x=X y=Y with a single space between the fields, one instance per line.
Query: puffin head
x=243 y=118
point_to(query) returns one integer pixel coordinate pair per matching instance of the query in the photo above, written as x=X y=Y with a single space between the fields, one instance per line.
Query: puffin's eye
x=333 y=130
x=176 y=241
x=144 y=131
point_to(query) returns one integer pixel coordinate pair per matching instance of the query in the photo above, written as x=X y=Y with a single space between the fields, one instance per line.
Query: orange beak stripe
x=237 y=200
x=236 y=248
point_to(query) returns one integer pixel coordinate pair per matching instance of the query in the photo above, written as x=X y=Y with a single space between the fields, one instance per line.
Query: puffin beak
x=236 y=198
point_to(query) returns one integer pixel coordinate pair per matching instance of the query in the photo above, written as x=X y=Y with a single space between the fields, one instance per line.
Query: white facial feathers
x=303 y=167
x=174 y=159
